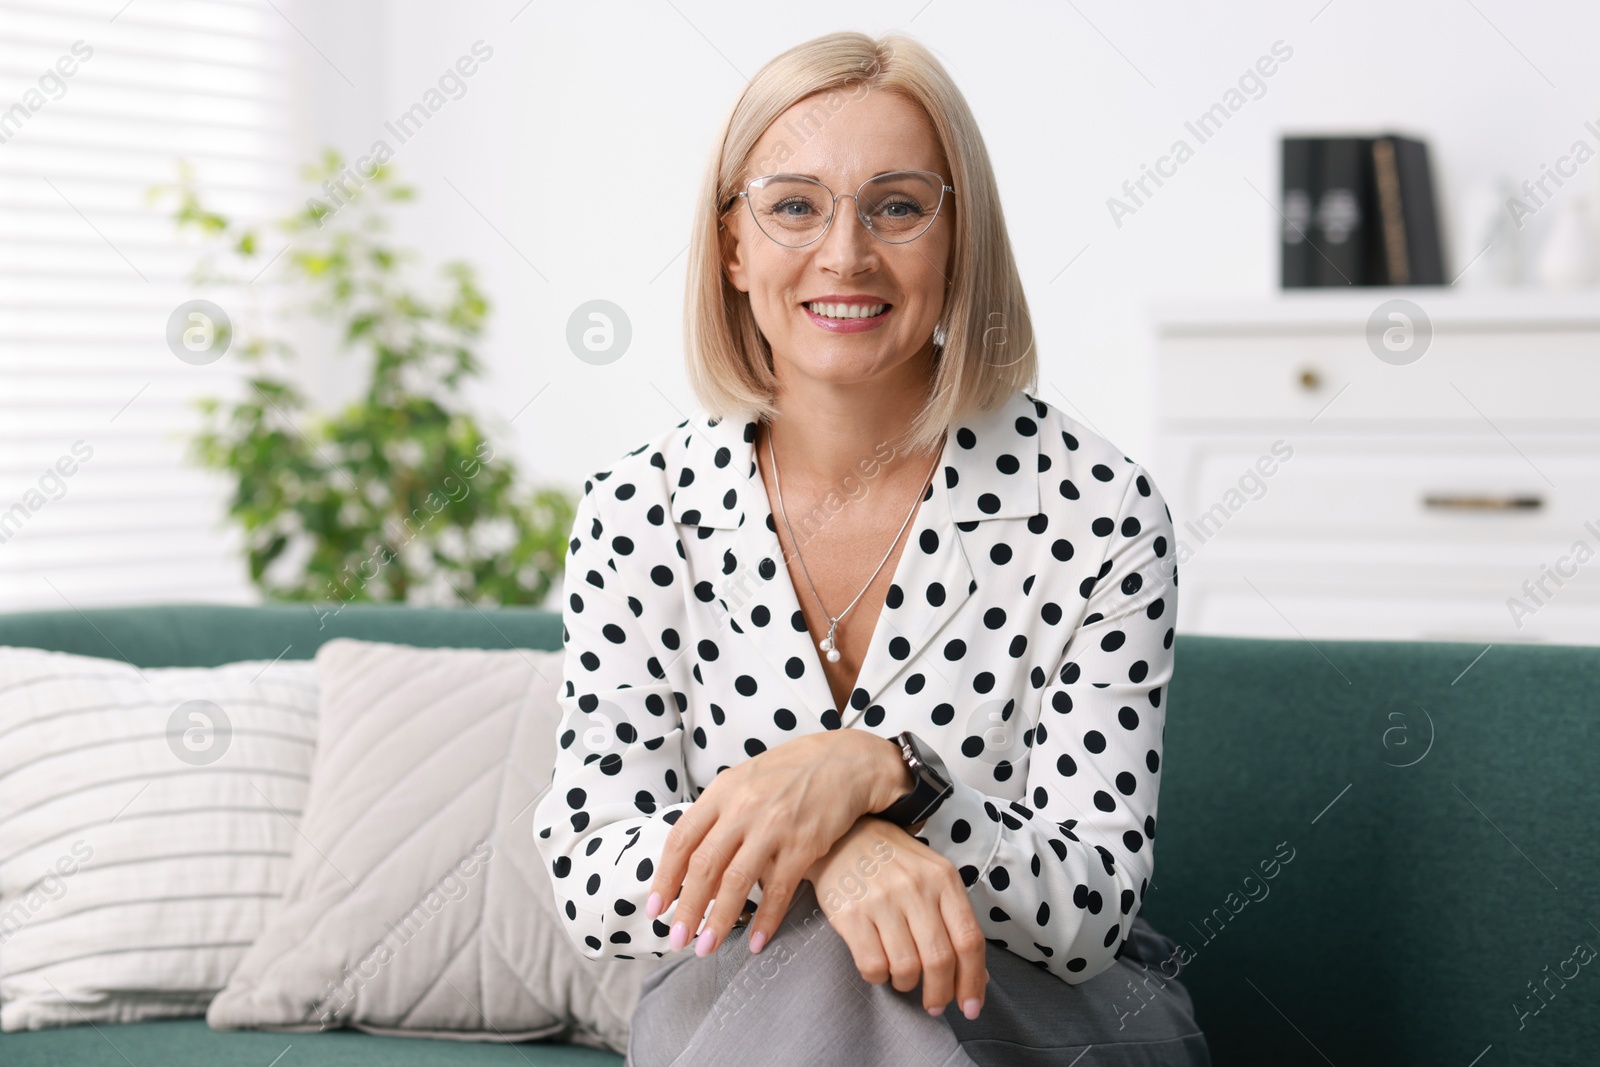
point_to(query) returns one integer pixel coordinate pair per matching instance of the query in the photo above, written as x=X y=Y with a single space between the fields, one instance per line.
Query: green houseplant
x=400 y=495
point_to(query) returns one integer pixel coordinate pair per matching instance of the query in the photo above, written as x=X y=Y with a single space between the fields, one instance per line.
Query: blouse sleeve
x=1059 y=879
x=619 y=782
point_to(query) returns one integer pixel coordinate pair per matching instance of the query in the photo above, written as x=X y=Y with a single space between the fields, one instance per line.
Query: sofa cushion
x=145 y=826
x=416 y=900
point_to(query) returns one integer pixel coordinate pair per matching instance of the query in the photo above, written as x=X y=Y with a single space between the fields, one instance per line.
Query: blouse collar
x=719 y=456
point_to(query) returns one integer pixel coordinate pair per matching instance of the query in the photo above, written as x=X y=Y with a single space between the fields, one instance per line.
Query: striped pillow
x=146 y=821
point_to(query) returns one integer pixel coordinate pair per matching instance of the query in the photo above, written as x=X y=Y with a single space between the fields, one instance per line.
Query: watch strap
x=926 y=792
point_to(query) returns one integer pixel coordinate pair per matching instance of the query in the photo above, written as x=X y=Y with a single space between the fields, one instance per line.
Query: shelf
x=1347 y=310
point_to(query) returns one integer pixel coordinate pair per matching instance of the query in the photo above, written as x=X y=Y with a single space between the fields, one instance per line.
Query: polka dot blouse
x=1027 y=637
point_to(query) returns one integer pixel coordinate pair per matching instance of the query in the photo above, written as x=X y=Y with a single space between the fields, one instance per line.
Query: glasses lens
x=790 y=210
x=900 y=206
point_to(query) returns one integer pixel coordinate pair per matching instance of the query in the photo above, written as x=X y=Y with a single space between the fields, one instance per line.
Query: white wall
x=1073 y=100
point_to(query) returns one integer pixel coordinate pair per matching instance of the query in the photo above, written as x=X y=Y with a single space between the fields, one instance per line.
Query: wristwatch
x=932 y=784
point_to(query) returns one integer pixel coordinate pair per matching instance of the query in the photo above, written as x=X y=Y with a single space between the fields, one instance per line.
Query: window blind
x=98 y=101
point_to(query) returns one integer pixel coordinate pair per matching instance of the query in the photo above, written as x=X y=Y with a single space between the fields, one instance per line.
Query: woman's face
x=870 y=134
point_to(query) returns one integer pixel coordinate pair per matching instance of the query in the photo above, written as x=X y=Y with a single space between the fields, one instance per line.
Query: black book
x=1341 y=252
x=1405 y=222
x=1298 y=196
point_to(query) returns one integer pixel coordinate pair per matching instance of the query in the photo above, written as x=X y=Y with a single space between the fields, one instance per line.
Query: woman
x=866 y=656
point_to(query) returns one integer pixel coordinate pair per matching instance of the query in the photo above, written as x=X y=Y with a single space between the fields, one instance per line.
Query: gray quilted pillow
x=416 y=901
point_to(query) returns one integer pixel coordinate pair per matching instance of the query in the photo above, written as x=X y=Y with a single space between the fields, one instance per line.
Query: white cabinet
x=1323 y=491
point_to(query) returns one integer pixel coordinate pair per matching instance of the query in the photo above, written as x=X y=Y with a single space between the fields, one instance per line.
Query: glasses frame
x=833 y=211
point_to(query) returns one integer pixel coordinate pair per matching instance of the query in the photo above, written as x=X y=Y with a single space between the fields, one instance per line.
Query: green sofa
x=1372 y=853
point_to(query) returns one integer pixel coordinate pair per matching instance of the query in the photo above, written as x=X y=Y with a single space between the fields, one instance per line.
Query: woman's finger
x=925 y=916
x=861 y=936
x=704 y=873
x=905 y=966
x=778 y=889
x=683 y=839
x=731 y=891
x=967 y=941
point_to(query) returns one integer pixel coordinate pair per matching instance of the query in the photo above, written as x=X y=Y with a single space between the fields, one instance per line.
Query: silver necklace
x=827 y=644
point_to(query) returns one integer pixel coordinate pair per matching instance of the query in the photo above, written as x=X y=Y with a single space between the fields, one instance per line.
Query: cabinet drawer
x=1466 y=380
x=1477 y=491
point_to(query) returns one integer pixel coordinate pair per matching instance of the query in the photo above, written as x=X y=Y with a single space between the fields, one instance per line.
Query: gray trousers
x=802 y=1003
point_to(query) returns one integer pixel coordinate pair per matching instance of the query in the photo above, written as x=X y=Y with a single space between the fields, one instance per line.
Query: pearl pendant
x=826 y=644
x=833 y=655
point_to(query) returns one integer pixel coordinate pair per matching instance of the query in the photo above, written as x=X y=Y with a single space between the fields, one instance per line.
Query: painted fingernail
x=936 y=1010
x=704 y=944
x=652 y=907
x=969 y=1007
x=758 y=939
x=679 y=936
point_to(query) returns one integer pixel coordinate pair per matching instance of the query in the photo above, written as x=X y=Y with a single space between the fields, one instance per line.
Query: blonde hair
x=985 y=322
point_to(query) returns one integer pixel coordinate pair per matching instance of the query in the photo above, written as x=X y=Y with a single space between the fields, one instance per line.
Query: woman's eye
x=900 y=209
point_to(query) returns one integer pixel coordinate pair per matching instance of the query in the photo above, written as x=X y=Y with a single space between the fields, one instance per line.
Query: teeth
x=847 y=311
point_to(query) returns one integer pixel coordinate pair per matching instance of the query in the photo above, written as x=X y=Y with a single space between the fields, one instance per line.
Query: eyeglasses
x=793 y=211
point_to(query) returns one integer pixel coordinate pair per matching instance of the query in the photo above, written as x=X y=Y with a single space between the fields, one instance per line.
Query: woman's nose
x=846 y=231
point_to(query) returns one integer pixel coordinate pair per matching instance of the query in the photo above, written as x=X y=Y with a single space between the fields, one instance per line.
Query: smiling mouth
x=846 y=312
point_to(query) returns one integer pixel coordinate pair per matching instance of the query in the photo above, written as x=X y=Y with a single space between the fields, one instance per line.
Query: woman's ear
x=731 y=249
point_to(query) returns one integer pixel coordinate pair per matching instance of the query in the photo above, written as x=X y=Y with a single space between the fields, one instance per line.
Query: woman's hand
x=767 y=820
x=904 y=911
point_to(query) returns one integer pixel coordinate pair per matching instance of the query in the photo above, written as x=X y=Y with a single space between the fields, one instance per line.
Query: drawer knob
x=1310 y=380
